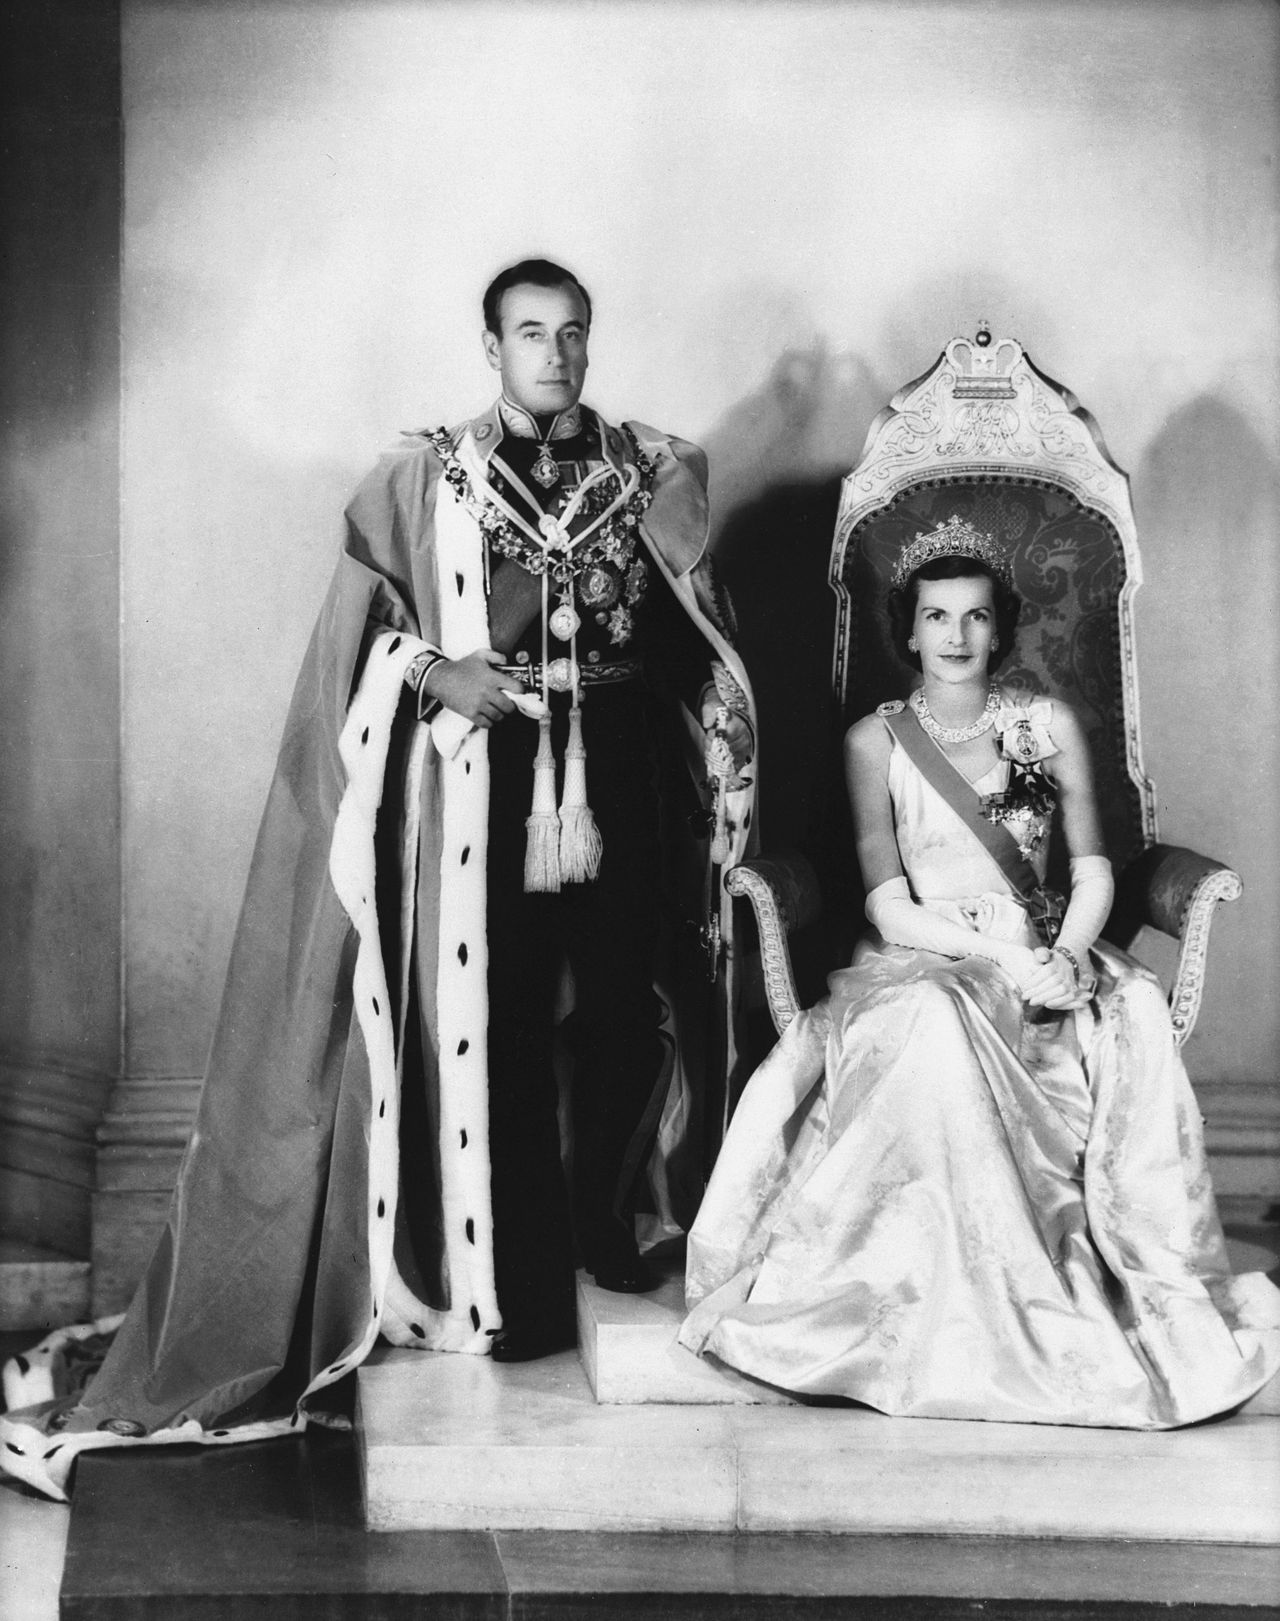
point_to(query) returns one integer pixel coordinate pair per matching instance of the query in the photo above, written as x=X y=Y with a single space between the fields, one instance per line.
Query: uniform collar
x=486 y=432
x=522 y=424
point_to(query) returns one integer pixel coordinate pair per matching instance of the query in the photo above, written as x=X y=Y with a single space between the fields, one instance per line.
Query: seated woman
x=970 y=1183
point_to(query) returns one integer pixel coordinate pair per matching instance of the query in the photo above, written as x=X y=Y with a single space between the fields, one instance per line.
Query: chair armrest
x=784 y=896
x=1176 y=891
x=1160 y=886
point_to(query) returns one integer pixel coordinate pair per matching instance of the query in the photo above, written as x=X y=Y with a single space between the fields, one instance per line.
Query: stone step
x=40 y=1288
x=277 y=1529
x=450 y=1442
x=629 y=1350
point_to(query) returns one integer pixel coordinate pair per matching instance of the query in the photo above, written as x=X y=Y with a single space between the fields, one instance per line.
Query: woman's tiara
x=954 y=538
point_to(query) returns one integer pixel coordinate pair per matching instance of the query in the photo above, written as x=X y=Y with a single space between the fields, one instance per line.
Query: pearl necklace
x=956 y=734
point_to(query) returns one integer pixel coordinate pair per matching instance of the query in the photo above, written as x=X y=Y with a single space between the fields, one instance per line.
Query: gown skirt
x=940 y=1204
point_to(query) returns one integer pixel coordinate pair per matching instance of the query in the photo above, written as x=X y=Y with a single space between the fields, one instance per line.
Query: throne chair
x=984 y=434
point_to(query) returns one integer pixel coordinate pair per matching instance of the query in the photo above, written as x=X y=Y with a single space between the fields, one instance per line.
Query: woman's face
x=954 y=624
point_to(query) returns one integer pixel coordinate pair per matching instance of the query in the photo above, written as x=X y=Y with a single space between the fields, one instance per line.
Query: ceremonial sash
x=1044 y=906
x=515 y=601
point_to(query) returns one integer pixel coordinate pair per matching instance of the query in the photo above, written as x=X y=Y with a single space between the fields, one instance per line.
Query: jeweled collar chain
x=548 y=547
x=956 y=734
x=524 y=425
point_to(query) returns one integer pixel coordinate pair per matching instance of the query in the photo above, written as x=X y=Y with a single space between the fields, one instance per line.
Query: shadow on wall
x=777 y=460
x=1207 y=496
x=59 y=494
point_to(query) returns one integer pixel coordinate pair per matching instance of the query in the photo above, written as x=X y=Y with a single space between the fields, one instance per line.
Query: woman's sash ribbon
x=1044 y=906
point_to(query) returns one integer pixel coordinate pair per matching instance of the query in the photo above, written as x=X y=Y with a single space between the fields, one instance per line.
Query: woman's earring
x=912 y=645
x=995 y=642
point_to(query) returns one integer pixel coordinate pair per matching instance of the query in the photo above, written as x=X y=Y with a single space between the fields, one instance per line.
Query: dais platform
x=631 y=1357
x=451 y=1442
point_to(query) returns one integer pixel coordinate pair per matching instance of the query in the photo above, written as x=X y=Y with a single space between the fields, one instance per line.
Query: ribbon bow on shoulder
x=1024 y=731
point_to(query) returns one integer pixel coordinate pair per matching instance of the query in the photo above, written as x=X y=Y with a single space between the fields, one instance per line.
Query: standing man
x=593 y=540
x=468 y=802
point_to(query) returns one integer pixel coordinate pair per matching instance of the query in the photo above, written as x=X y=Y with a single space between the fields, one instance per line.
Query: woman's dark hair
x=528 y=273
x=902 y=605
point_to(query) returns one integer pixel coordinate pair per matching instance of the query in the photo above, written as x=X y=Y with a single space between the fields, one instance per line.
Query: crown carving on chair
x=954 y=538
x=983 y=365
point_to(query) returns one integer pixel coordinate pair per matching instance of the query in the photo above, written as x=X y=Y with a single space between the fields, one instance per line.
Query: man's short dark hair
x=528 y=273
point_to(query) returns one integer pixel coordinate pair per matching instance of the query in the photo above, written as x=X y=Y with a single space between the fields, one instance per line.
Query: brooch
x=598 y=588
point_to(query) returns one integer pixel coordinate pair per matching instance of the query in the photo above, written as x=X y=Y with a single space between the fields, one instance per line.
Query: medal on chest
x=546 y=469
x=563 y=622
x=1020 y=743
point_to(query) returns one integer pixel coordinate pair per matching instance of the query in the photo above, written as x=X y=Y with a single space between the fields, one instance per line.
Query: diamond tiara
x=954 y=538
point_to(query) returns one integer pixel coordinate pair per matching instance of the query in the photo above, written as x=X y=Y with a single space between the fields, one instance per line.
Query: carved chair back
x=986 y=435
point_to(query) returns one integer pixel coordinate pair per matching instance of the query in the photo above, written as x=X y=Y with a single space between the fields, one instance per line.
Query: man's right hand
x=472 y=687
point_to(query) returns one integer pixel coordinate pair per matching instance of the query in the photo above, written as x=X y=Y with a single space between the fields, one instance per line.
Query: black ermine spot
x=463 y=1135
x=462 y=1046
x=364 y=736
x=394 y=645
x=475 y=1318
x=471 y=1231
x=461 y=583
x=382 y=1208
x=466 y=852
x=462 y=953
x=417 y=1330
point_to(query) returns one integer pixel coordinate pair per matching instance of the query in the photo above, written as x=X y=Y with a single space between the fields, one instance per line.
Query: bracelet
x=1071 y=958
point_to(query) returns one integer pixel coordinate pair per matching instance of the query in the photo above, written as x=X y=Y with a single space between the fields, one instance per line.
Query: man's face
x=542 y=353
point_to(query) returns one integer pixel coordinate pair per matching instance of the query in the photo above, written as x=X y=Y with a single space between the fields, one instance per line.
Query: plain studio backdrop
x=783 y=212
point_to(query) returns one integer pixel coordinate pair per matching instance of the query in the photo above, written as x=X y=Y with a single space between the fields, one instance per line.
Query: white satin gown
x=933 y=1204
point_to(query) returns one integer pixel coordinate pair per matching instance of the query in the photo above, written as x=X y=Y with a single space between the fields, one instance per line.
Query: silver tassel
x=581 y=846
x=542 y=846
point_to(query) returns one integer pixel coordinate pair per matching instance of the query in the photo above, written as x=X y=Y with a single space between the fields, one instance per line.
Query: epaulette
x=894 y=706
x=454 y=435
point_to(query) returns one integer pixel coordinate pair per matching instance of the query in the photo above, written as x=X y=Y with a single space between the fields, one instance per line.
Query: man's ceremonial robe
x=283 y=1257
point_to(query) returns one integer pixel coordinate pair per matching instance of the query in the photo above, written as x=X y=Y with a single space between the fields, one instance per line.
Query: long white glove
x=1092 y=891
x=904 y=922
